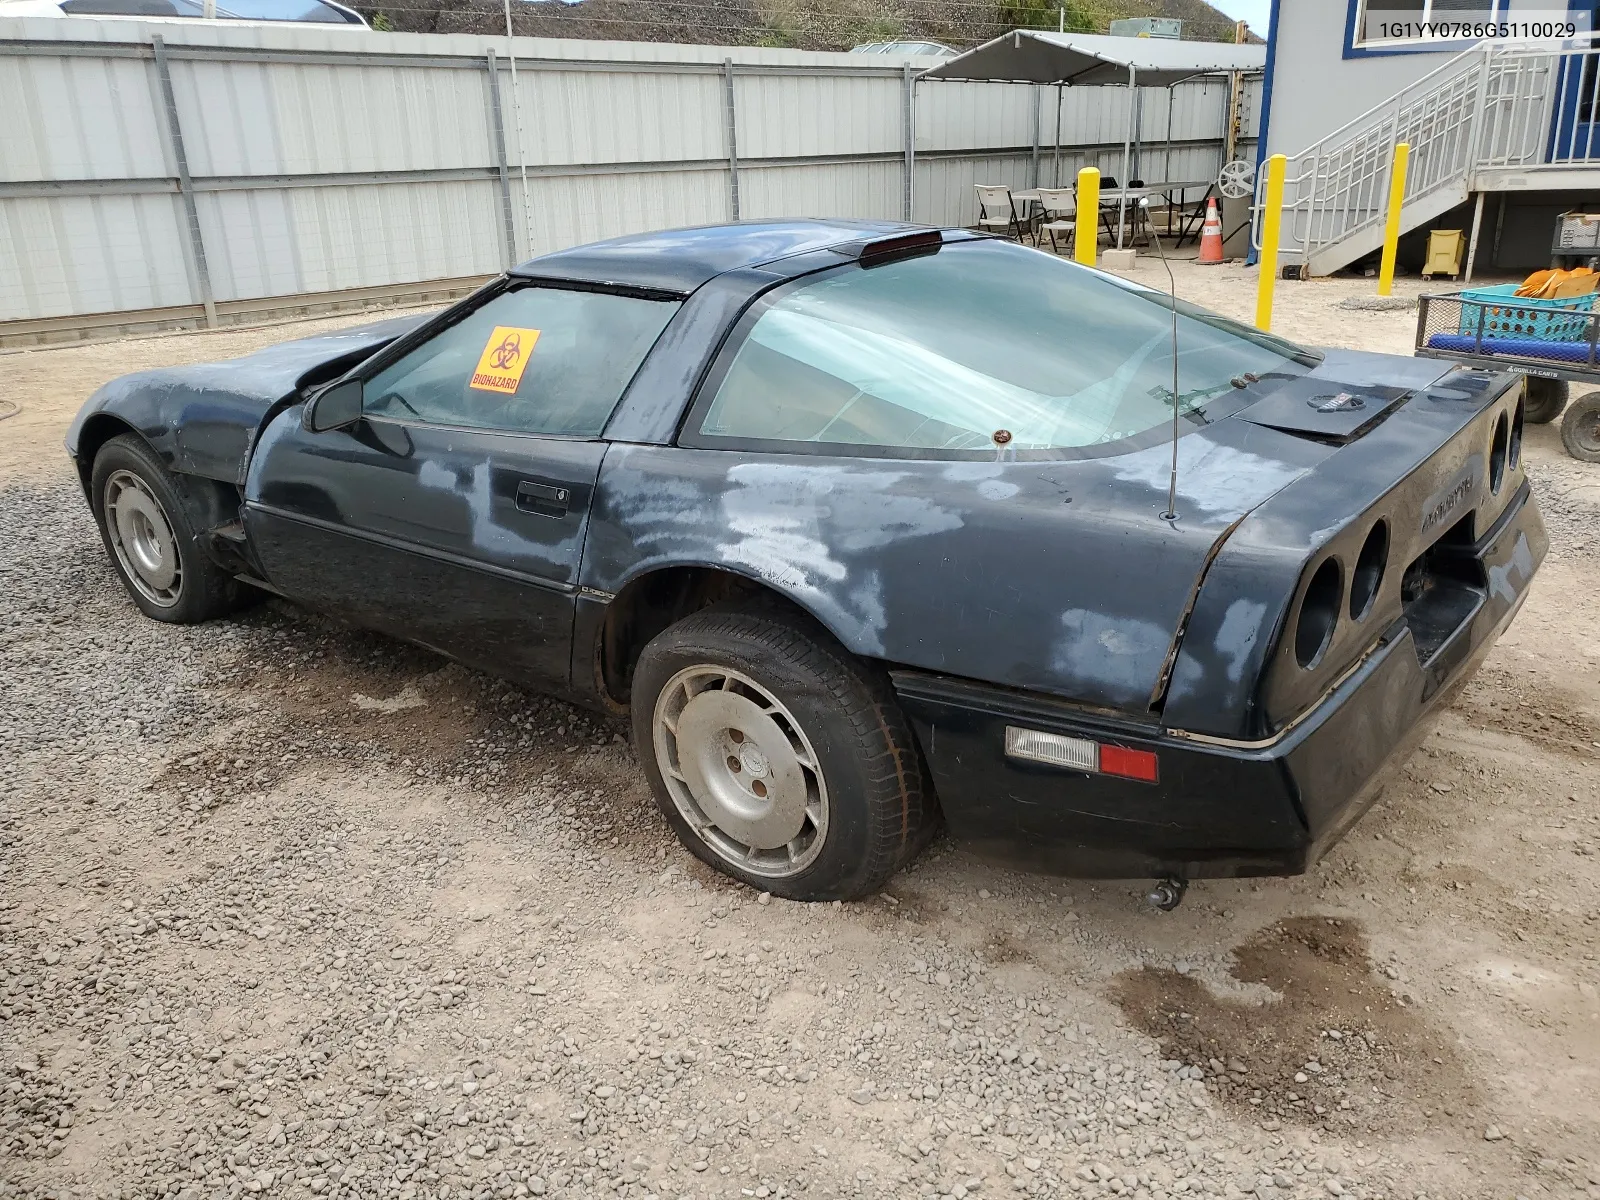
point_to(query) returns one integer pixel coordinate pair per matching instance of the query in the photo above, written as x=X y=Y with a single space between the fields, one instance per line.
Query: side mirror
x=334 y=407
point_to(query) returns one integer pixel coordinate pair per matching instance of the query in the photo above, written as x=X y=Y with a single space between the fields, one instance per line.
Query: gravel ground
x=292 y=910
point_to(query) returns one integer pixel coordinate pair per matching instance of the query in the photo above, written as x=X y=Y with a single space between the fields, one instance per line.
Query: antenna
x=1172 y=283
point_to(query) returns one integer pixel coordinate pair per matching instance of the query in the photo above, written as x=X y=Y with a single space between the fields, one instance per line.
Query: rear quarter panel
x=1052 y=575
x=1422 y=470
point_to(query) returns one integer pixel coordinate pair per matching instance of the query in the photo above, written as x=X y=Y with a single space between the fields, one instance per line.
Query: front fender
x=121 y=405
x=196 y=431
x=203 y=419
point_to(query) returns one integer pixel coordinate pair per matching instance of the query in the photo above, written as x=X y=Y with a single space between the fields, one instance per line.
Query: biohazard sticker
x=504 y=359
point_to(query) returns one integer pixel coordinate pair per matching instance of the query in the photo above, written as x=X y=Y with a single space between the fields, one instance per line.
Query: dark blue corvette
x=867 y=524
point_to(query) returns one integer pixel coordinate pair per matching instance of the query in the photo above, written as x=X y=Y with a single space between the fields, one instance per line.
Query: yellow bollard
x=1391 y=230
x=1086 y=237
x=1271 y=228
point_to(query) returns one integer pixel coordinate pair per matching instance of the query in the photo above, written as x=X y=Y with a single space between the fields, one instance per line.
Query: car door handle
x=545 y=499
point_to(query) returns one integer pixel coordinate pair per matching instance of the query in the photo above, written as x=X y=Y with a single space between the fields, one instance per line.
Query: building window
x=1420 y=24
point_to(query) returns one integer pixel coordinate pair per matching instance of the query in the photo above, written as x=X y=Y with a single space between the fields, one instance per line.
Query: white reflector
x=1076 y=754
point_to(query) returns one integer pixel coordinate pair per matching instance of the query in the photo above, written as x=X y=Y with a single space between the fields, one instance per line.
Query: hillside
x=802 y=24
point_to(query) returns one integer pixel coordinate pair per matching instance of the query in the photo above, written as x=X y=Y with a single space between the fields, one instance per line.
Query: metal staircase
x=1487 y=109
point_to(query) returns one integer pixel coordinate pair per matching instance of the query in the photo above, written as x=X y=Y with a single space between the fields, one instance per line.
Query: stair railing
x=1489 y=106
x=1338 y=184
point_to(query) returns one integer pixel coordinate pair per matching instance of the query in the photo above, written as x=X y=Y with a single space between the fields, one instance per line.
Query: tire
x=1544 y=401
x=726 y=701
x=149 y=522
x=1580 y=428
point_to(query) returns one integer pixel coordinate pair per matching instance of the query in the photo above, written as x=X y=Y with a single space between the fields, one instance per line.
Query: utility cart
x=1553 y=342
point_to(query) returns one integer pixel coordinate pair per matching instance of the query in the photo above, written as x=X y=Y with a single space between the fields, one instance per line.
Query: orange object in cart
x=1558 y=284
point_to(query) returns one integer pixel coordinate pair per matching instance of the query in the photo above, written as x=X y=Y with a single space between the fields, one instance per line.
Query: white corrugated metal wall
x=318 y=161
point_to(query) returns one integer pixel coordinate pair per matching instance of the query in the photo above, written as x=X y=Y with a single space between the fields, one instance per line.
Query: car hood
x=208 y=413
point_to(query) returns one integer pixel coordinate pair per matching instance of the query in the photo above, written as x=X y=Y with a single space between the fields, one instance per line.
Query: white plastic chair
x=1058 y=205
x=996 y=210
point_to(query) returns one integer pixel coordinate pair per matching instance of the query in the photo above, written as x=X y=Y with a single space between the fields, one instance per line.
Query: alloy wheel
x=741 y=771
x=142 y=538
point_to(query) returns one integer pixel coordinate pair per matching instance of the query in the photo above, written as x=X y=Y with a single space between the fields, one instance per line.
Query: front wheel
x=778 y=758
x=1580 y=428
x=1545 y=400
x=150 y=530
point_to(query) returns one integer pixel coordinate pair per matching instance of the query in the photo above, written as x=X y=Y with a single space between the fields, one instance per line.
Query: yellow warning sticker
x=504 y=359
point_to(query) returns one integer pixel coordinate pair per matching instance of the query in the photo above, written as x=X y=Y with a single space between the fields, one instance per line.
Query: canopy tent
x=1086 y=59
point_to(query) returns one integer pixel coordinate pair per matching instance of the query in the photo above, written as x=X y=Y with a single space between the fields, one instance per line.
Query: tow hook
x=1167 y=894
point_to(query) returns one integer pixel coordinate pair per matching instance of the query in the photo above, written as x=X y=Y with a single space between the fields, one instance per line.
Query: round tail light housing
x=1514 y=455
x=1367 y=578
x=1319 y=613
x=1498 y=449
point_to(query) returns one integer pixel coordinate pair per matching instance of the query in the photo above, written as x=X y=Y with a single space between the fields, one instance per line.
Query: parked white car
x=318 y=12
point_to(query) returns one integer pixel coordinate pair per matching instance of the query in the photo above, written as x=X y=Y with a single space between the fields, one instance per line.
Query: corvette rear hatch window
x=940 y=352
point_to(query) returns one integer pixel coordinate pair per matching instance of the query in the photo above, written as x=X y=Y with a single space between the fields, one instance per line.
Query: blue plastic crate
x=1506 y=314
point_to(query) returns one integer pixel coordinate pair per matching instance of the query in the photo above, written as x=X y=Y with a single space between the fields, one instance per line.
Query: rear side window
x=536 y=360
x=981 y=345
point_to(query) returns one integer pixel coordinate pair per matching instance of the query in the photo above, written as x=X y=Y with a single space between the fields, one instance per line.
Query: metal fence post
x=908 y=173
x=197 y=243
x=1059 y=90
x=510 y=235
x=730 y=112
x=1033 y=168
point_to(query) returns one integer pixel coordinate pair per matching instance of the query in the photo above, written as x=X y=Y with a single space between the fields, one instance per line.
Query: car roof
x=680 y=260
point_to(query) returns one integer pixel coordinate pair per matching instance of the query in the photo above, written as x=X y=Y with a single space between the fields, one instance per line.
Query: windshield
x=945 y=351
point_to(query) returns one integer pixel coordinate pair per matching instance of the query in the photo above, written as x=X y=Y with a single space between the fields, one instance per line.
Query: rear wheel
x=150 y=527
x=1545 y=400
x=778 y=758
x=1580 y=428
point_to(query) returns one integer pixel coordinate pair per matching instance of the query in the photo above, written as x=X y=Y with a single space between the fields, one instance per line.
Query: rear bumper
x=1219 y=809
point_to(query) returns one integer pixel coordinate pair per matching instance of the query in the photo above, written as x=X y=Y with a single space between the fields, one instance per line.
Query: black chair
x=1108 y=211
x=1192 y=220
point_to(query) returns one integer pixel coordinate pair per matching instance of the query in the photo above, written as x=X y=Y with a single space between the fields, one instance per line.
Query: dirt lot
x=291 y=910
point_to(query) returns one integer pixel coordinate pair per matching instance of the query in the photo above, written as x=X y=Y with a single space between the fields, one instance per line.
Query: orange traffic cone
x=1211 y=236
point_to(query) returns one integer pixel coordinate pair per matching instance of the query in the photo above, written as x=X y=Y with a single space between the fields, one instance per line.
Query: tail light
x=1514 y=459
x=1319 y=613
x=1498 y=448
x=1368 y=575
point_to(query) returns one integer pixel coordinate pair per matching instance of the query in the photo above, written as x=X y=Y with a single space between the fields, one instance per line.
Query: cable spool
x=1237 y=179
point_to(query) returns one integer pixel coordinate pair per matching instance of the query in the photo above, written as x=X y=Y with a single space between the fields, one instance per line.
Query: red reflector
x=1130 y=764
